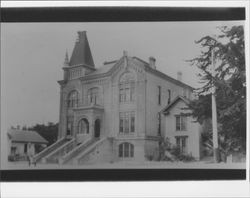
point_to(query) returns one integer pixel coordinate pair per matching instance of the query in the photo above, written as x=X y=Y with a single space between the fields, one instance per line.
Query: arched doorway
x=97 y=128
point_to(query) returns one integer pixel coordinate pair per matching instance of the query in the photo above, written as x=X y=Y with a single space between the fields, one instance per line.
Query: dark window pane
x=126 y=149
x=178 y=124
x=121 y=125
x=131 y=150
x=132 y=130
x=121 y=150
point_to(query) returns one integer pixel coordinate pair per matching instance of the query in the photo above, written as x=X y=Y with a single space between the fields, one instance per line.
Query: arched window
x=73 y=99
x=126 y=150
x=127 y=88
x=93 y=96
x=83 y=126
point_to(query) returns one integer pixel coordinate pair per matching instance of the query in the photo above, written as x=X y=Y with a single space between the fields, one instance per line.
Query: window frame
x=127 y=88
x=159 y=95
x=128 y=121
x=126 y=150
x=73 y=99
x=180 y=143
x=181 y=122
x=93 y=95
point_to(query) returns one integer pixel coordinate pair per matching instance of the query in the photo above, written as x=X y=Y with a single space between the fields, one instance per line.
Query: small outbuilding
x=23 y=143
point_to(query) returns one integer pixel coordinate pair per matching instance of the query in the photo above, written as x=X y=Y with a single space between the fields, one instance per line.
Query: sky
x=32 y=56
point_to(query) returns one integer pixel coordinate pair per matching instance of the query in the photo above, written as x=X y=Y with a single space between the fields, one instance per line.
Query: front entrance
x=97 y=128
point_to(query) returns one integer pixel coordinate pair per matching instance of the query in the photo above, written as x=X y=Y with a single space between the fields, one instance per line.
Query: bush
x=179 y=156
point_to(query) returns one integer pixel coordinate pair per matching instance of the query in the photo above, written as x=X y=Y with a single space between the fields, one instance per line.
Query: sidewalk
x=128 y=165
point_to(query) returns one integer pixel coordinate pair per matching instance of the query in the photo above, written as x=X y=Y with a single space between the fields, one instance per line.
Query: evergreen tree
x=230 y=83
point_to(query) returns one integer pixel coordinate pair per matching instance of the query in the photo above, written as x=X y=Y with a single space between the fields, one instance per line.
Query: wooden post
x=214 y=116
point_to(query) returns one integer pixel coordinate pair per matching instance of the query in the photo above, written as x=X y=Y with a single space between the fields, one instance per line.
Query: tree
x=230 y=83
x=49 y=132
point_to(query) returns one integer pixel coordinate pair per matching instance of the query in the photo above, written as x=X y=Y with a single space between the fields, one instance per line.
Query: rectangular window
x=132 y=123
x=178 y=123
x=181 y=143
x=181 y=123
x=127 y=122
x=121 y=150
x=159 y=95
x=121 y=125
x=159 y=124
x=132 y=94
x=169 y=96
x=25 y=148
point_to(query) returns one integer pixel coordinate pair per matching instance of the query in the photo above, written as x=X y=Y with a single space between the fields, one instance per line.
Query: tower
x=81 y=61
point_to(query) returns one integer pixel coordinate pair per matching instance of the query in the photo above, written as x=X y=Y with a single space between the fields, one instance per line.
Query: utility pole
x=214 y=115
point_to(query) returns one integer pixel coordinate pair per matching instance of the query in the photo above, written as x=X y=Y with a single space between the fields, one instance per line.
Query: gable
x=177 y=105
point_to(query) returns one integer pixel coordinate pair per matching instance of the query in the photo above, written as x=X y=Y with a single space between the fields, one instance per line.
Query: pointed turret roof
x=82 y=53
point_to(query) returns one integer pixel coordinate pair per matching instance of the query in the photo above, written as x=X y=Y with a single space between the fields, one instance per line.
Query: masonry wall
x=153 y=108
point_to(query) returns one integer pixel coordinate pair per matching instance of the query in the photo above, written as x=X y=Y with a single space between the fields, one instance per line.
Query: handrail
x=62 y=149
x=47 y=149
x=75 y=151
x=89 y=149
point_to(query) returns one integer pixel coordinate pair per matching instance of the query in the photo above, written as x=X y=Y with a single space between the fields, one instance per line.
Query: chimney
x=152 y=62
x=179 y=75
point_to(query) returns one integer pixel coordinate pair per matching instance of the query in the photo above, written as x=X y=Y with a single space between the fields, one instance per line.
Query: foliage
x=173 y=152
x=230 y=83
x=49 y=131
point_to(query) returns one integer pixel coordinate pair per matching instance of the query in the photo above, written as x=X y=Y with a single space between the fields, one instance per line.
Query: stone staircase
x=55 y=156
x=40 y=156
x=70 y=158
x=83 y=156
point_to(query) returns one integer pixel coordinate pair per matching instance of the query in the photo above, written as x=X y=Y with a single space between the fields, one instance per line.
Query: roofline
x=102 y=75
x=29 y=142
x=166 y=77
x=161 y=74
x=165 y=109
x=79 y=65
x=146 y=66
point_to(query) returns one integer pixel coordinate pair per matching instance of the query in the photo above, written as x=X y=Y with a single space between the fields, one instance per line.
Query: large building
x=113 y=112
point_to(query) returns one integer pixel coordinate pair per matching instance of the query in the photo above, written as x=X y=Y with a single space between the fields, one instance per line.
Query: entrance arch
x=97 y=128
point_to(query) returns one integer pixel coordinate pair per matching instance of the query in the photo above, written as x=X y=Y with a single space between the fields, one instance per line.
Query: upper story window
x=169 y=96
x=159 y=95
x=181 y=123
x=94 y=96
x=127 y=122
x=73 y=99
x=126 y=150
x=127 y=88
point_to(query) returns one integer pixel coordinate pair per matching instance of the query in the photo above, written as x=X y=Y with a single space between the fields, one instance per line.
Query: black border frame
x=121 y=14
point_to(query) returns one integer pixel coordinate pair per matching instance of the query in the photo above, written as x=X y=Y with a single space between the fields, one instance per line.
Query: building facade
x=22 y=143
x=112 y=112
x=182 y=129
